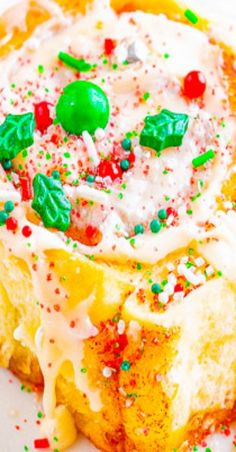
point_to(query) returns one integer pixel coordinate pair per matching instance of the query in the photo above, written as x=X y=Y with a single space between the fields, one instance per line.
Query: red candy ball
x=11 y=224
x=42 y=116
x=107 y=168
x=26 y=231
x=194 y=84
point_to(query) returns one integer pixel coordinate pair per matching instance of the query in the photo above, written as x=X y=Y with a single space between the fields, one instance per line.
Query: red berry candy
x=11 y=224
x=107 y=168
x=26 y=231
x=109 y=46
x=42 y=116
x=194 y=84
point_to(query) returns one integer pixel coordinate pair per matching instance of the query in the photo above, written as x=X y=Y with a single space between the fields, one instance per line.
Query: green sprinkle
x=83 y=370
x=125 y=164
x=26 y=449
x=40 y=69
x=156 y=288
x=79 y=64
x=6 y=164
x=24 y=153
x=191 y=16
x=123 y=186
x=162 y=214
x=126 y=144
x=139 y=266
x=40 y=414
x=146 y=95
x=13 y=85
x=3 y=217
x=166 y=55
x=155 y=226
x=203 y=158
x=195 y=197
x=9 y=206
x=219 y=273
x=114 y=66
x=55 y=439
x=189 y=212
x=125 y=365
x=90 y=178
x=138 y=229
x=67 y=155
x=65 y=139
x=120 y=196
x=48 y=156
x=208 y=449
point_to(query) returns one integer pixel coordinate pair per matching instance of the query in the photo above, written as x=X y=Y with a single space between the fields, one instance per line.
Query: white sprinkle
x=38 y=337
x=138 y=151
x=170 y=266
x=199 y=261
x=107 y=372
x=99 y=134
x=128 y=403
x=188 y=274
x=88 y=193
x=178 y=296
x=209 y=270
x=134 y=329
x=184 y=259
x=170 y=220
x=121 y=326
x=163 y=297
x=158 y=377
x=172 y=278
x=228 y=205
x=91 y=148
x=201 y=278
x=169 y=289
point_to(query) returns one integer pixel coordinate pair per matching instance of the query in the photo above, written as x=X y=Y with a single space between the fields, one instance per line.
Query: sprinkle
x=203 y=158
x=99 y=134
x=79 y=64
x=146 y=96
x=138 y=229
x=191 y=16
x=125 y=365
x=90 y=178
x=39 y=414
x=209 y=270
x=125 y=164
x=163 y=297
x=199 y=261
x=11 y=224
x=126 y=144
x=91 y=147
x=169 y=289
x=26 y=231
x=155 y=226
x=156 y=288
x=40 y=69
x=121 y=326
x=162 y=214
x=107 y=372
x=41 y=443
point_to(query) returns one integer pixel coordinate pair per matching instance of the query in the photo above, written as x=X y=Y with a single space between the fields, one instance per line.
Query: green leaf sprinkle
x=51 y=203
x=16 y=134
x=203 y=158
x=79 y=64
x=191 y=16
x=164 y=130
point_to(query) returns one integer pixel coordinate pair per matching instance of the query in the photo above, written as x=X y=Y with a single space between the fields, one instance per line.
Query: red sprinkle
x=194 y=84
x=26 y=231
x=107 y=168
x=178 y=288
x=171 y=211
x=41 y=443
x=42 y=116
x=26 y=188
x=11 y=224
x=109 y=46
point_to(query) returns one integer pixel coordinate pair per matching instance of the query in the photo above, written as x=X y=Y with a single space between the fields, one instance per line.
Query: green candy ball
x=82 y=106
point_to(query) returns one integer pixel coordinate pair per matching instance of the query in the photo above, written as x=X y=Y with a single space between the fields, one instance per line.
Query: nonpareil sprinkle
x=125 y=365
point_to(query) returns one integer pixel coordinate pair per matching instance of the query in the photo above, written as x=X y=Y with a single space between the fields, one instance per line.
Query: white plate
x=19 y=421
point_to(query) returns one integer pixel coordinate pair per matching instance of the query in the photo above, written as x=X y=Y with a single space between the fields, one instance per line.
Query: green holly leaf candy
x=16 y=133
x=164 y=130
x=50 y=202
